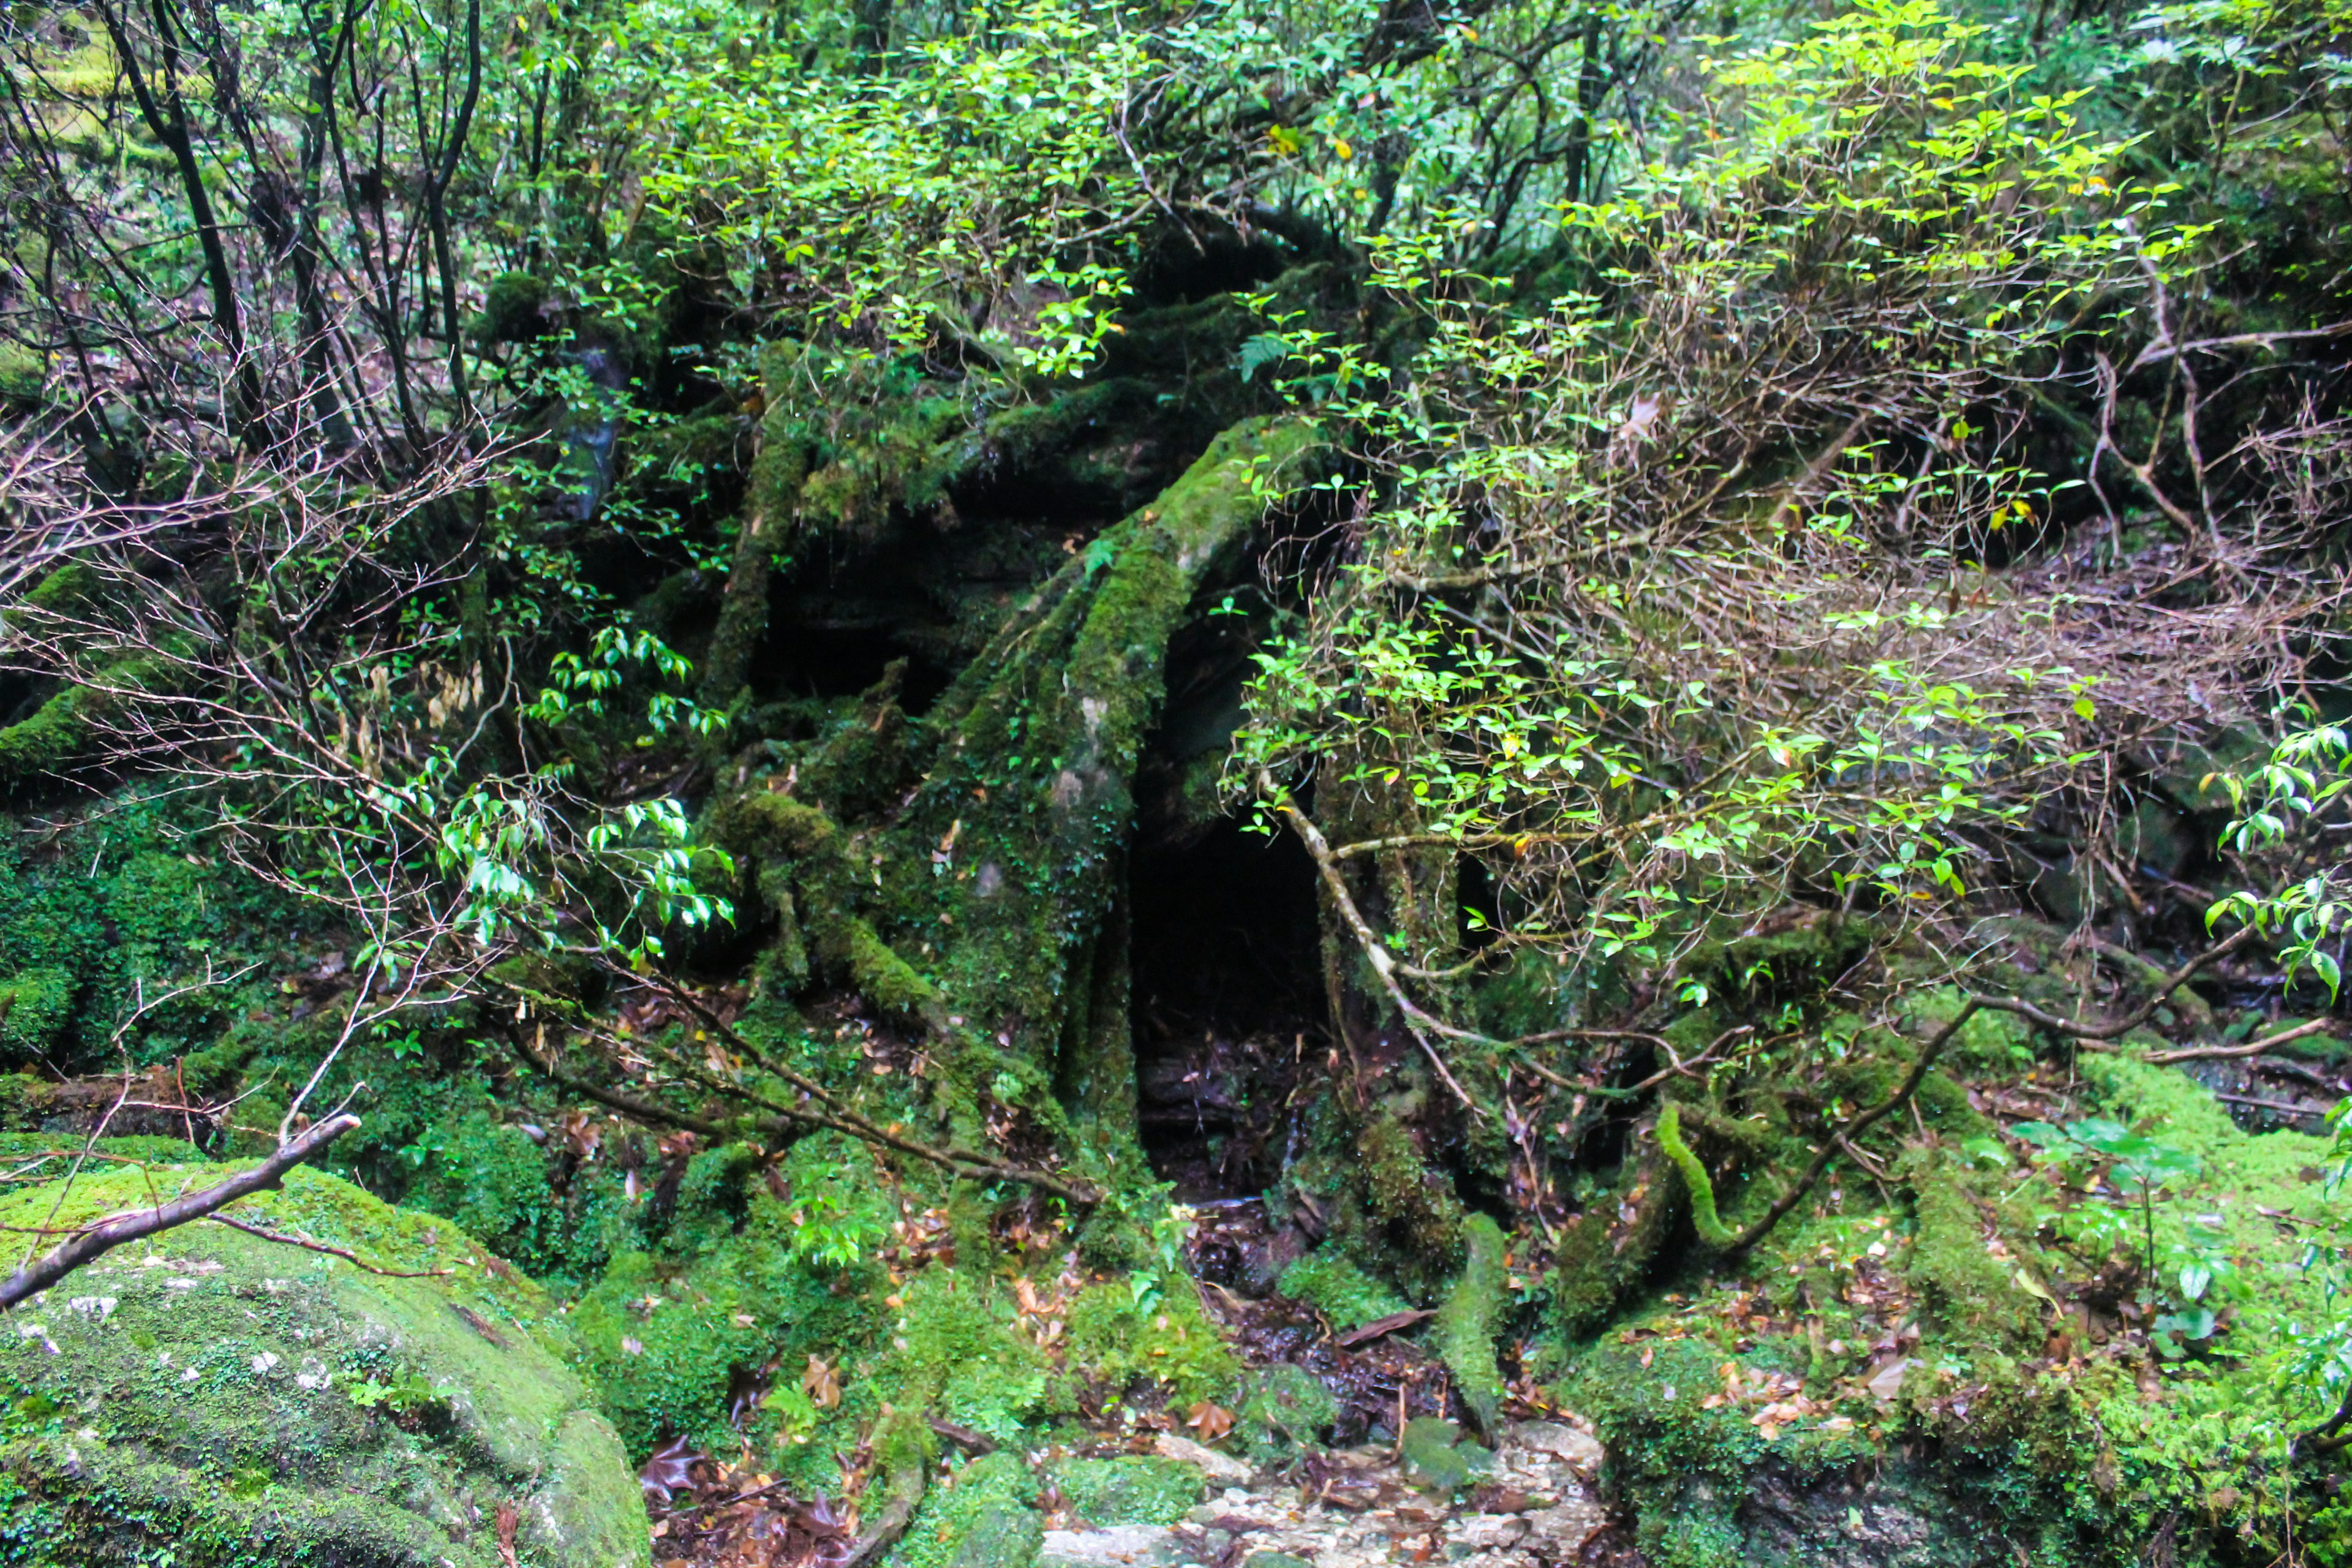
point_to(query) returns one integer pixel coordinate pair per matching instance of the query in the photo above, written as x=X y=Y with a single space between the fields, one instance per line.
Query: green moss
x=773 y=825
x=1989 y=1043
x=1039 y=745
x=512 y=309
x=66 y=589
x=60 y=730
x=1471 y=1318
x=1696 y=1183
x=769 y=519
x=110 y=905
x=1286 y=1411
x=953 y=1349
x=1436 y=1459
x=985 y=1516
x=1661 y=1437
x=22 y=373
x=489 y=1176
x=1415 y=1205
x=217 y=1395
x=1976 y=1301
x=1166 y=1340
x=668 y=1336
x=881 y=977
x=35 y=1008
x=1334 y=1286
x=1127 y=1490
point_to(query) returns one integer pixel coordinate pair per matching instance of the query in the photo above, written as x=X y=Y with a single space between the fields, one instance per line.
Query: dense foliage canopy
x=1626 y=637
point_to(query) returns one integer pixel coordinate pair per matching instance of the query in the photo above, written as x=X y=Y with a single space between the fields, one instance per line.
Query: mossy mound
x=672 y=1338
x=1284 y=1412
x=1977 y=1372
x=1334 y=1286
x=1127 y=1490
x=984 y=1516
x=208 y=1397
x=1437 y=1458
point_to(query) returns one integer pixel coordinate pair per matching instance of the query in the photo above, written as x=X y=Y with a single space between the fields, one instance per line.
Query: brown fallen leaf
x=822 y=1386
x=509 y=1517
x=1210 y=1421
x=671 y=1469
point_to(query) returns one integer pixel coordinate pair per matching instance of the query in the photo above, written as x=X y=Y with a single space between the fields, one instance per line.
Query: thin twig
x=306 y=1243
x=2250 y=1048
x=93 y=1241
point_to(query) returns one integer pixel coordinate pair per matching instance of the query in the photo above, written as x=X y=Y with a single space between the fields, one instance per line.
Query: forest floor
x=1434 y=1497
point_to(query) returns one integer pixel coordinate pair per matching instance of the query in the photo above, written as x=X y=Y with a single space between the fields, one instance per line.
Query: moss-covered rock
x=1334 y=1286
x=1437 y=1459
x=223 y=1399
x=1286 y=1409
x=1167 y=1341
x=1129 y=1489
x=985 y=1516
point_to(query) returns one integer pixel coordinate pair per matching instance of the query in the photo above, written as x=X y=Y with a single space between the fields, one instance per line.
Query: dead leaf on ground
x=822 y=1386
x=671 y=1469
x=1210 y=1421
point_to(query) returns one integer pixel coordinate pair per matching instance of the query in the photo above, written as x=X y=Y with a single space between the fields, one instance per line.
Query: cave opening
x=1228 y=1004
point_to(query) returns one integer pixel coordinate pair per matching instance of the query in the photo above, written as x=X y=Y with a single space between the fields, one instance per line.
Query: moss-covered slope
x=228 y=1400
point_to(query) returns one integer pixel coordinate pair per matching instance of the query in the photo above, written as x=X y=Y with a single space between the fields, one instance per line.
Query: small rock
x=1561 y=1531
x=1121 y=1546
x=1276 y=1560
x=1579 y=1451
x=1215 y=1466
x=1489 y=1532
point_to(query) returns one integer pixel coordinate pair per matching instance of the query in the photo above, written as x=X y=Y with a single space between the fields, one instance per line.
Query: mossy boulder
x=1438 y=1459
x=984 y=1516
x=1285 y=1410
x=1129 y=1489
x=217 y=1398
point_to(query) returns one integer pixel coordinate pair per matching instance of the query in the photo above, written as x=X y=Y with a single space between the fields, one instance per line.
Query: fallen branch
x=306 y=1243
x=2329 y=1435
x=839 y=1118
x=2284 y=1107
x=94 y=1241
x=2250 y=1048
x=1376 y=954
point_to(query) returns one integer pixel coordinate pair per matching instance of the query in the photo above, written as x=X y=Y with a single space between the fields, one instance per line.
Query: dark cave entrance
x=1228 y=1004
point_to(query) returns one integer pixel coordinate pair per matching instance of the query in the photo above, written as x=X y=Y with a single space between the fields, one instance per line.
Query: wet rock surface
x=1529 y=1504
